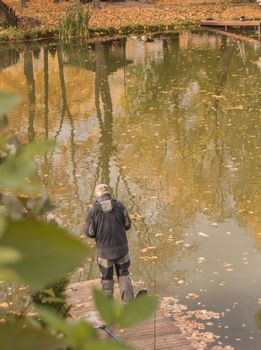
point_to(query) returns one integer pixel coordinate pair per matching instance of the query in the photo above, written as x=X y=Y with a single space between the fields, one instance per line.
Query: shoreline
x=15 y=35
x=122 y=18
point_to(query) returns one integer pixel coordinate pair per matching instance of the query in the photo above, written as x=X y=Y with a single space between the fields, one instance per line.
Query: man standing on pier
x=107 y=222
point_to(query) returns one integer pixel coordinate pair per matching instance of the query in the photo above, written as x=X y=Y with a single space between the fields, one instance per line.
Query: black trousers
x=122 y=271
x=121 y=266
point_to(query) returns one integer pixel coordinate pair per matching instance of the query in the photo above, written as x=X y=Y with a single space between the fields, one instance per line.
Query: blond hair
x=101 y=189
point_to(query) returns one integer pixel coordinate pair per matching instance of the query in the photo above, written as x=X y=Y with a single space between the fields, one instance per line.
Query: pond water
x=172 y=125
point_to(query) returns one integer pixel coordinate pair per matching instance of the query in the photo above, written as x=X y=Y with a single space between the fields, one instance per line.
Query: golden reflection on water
x=172 y=126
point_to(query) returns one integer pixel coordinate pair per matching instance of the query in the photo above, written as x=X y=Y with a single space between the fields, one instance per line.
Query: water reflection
x=172 y=126
x=102 y=92
x=29 y=76
x=8 y=57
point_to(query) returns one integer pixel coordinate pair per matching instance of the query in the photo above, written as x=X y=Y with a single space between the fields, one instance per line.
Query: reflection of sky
x=183 y=155
x=219 y=288
x=187 y=97
x=139 y=51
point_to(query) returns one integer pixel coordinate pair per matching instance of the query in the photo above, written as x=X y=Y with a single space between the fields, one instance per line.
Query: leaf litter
x=47 y=14
x=192 y=323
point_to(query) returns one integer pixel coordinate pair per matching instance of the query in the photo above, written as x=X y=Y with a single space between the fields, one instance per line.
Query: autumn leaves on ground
x=45 y=14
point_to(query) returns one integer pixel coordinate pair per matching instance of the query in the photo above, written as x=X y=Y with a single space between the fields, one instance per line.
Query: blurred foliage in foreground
x=38 y=254
x=53 y=296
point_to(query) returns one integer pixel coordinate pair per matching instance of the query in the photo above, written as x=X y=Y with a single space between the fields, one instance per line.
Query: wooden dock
x=226 y=24
x=234 y=35
x=157 y=333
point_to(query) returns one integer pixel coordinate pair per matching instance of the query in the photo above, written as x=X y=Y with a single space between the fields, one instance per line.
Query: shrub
x=53 y=296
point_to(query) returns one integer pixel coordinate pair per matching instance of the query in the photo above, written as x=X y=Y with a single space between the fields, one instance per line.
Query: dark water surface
x=173 y=127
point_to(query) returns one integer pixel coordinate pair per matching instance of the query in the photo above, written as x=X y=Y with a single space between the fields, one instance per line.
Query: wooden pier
x=157 y=333
x=234 y=35
x=226 y=24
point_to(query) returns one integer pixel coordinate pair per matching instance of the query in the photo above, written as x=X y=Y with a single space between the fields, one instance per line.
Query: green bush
x=53 y=297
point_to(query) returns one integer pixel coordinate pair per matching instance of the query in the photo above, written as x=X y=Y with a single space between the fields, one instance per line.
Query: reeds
x=76 y=22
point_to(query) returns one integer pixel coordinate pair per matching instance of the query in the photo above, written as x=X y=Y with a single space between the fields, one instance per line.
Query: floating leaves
x=145 y=250
x=192 y=322
x=201 y=259
x=192 y=296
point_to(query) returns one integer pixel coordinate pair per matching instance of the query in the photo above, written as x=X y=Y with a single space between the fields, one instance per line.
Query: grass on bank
x=76 y=22
x=13 y=34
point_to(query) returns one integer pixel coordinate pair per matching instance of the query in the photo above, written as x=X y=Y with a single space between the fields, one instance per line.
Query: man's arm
x=127 y=220
x=89 y=228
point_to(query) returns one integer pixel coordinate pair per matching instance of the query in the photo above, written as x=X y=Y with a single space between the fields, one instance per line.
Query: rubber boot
x=108 y=287
x=126 y=289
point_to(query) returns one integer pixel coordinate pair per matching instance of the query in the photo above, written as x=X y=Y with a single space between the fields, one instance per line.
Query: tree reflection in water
x=29 y=76
x=172 y=126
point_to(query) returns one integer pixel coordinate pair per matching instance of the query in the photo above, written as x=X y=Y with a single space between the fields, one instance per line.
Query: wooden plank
x=234 y=36
x=231 y=23
x=159 y=332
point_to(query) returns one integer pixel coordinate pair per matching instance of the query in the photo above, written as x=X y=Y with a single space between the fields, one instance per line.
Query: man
x=107 y=222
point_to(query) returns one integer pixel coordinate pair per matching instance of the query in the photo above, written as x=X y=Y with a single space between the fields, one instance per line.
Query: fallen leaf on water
x=143 y=258
x=236 y=107
x=180 y=281
x=179 y=242
x=159 y=234
x=219 y=97
x=203 y=234
x=192 y=296
x=144 y=250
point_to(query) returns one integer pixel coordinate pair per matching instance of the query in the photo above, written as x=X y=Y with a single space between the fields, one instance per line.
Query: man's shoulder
x=119 y=203
x=92 y=209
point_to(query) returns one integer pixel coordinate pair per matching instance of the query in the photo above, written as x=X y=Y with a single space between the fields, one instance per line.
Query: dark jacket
x=107 y=221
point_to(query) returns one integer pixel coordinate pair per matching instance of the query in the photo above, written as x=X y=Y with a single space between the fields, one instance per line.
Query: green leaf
x=81 y=333
x=47 y=252
x=15 y=337
x=7 y=102
x=37 y=148
x=77 y=333
x=17 y=169
x=9 y=255
x=55 y=322
x=109 y=309
x=138 y=310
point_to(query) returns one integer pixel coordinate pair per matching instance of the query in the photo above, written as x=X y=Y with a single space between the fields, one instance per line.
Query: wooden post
x=259 y=28
x=226 y=28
